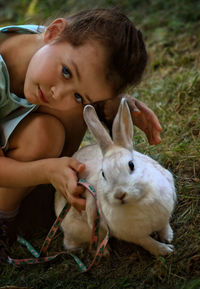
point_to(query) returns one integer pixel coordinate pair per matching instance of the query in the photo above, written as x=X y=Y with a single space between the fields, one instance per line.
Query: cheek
x=68 y=104
x=41 y=68
x=32 y=71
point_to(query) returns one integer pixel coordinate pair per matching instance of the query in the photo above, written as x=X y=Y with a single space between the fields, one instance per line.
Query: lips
x=42 y=97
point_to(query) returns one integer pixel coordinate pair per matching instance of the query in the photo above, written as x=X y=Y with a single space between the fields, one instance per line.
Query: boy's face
x=61 y=76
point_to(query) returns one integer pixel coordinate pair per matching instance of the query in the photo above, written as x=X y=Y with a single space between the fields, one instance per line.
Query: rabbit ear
x=122 y=129
x=99 y=132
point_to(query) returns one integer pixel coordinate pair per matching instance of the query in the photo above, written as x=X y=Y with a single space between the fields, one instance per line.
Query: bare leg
x=74 y=125
x=33 y=139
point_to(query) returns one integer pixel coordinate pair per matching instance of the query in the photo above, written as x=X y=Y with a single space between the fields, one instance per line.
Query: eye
x=131 y=165
x=78 y=98
x=103 y=175
x=66 y=72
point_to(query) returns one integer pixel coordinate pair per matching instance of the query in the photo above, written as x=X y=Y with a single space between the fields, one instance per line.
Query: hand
x=62 y=174
x=142 y=116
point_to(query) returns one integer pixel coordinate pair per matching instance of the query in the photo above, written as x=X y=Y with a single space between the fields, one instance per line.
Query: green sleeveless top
x=12 y=108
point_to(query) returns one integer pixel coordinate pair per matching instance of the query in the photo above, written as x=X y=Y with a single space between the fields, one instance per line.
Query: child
x=47 y=75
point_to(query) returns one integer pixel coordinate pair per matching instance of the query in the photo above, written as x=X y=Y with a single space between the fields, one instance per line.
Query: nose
x=120 y=195
x=58 y=92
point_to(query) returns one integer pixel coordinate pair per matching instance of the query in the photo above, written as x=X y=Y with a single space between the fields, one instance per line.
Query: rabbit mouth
x=122 y=202
x=115 y=202
x=119 y=202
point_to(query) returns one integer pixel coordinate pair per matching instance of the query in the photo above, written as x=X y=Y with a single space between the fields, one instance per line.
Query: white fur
x=149 y=188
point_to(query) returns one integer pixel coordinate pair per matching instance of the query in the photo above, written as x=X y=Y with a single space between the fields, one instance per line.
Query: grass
x=171 y=87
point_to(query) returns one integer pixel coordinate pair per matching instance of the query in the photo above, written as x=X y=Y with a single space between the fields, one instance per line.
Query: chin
x=28 y=98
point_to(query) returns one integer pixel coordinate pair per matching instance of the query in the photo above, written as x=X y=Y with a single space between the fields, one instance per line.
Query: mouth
x=119 y=203
x=42 y=97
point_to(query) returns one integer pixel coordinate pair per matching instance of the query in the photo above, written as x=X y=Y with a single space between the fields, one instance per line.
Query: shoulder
x=22 y=29
x=7 y=105
x=9 y=101
x=4 y=81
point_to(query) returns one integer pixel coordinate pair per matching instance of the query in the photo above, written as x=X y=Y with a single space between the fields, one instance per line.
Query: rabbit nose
x=120 y=195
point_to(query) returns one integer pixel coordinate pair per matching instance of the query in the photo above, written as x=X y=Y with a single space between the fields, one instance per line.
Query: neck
x=17 y=51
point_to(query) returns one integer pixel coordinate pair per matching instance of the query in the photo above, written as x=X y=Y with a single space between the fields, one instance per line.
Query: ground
x=171 y=87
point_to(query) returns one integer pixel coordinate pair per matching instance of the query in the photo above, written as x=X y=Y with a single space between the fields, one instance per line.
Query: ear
x=99 y=132
x=54 y=29
x=122 y=129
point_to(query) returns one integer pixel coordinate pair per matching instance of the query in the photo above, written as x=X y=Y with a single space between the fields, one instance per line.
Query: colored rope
x=38 y=258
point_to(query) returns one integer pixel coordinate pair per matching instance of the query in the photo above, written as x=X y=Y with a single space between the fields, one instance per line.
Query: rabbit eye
x=103 y=175
x=131 y=165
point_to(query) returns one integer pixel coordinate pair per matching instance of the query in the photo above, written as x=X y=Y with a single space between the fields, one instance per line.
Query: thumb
x=76 y=165
x=81 y=168
x=132 y=103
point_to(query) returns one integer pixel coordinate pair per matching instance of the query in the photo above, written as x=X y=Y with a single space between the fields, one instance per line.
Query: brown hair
x=124 y=45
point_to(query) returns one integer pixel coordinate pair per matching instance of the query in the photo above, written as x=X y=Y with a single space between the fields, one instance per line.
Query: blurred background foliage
x=171 y=87
x=175 y=14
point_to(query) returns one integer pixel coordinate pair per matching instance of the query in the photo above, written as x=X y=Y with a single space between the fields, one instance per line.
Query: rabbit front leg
x=76 y=230
x=166 y=234
x=154 y=247
x=69 y=244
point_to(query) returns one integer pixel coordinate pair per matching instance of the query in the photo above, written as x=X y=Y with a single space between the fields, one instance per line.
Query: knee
x=49 y=137
x=40 y=136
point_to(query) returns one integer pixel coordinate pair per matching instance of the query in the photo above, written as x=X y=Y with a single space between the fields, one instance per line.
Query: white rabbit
x=135 y=194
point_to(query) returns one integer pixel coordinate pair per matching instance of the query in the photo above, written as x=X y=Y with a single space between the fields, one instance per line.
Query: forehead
x=89 y=63
x=117 y=159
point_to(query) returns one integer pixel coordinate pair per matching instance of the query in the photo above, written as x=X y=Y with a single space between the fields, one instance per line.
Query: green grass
x=171 y=87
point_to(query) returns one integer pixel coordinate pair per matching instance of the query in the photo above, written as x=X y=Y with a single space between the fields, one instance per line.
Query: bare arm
x=22 y=174
x=60 y=172
x=144 y=118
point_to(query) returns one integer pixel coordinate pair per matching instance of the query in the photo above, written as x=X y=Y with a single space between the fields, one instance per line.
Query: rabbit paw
x=156 y=248
x=70 y=246
x=164 y=249
x=166 y=234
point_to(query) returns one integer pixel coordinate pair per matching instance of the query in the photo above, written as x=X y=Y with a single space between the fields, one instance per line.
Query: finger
x=150 y=137
x=154 y=133
x=132 y=104
x=134 y=108
x=153 y=137
x=157 y=138
x=79 y=190
x=76 y=165
x=158 y=126
x=81 y=168
x=78 y=203
x=74 y=168
x=141 y=106
x=156 y=123
x=150 y=115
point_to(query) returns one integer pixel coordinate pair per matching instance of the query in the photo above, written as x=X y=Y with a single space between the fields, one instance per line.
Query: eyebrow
x=79 y=78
